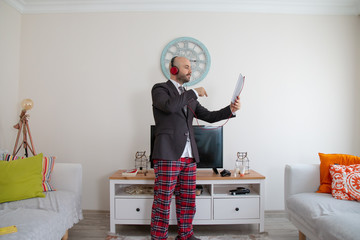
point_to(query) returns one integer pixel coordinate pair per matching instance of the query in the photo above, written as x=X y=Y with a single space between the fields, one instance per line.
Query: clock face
x=193 y=50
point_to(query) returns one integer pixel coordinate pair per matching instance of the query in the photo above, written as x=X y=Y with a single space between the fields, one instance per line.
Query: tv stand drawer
x=134 y=209
x=236 y=208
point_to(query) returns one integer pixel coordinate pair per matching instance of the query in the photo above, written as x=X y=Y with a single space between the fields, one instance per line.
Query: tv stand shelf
x=214 y=206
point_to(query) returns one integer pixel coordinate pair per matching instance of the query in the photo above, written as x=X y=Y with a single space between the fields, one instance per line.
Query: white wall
x=357 y=110
x=10 y=31
x=90 y=77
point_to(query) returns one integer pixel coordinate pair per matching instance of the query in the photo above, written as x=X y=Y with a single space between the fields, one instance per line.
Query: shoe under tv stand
x=214 y=206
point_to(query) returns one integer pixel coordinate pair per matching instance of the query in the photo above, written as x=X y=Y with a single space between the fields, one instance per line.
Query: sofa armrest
x=301 y=178
x=67 y=176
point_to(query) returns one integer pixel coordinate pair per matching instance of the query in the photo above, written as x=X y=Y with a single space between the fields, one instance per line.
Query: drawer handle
x=237 y=209
x=138 y=209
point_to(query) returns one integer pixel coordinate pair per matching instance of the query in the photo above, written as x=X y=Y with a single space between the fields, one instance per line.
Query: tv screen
x=209 y=141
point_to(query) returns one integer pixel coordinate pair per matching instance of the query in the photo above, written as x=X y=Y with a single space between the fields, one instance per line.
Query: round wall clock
x=192 y=49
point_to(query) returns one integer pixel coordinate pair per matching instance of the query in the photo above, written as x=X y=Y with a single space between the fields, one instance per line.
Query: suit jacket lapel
x=175 y=91
x=172 y=87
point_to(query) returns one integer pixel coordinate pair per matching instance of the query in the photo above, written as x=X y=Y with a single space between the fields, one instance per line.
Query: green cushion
x=21 y=179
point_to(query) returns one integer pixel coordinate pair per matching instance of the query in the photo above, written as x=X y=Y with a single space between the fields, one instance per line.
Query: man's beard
x=184 y=78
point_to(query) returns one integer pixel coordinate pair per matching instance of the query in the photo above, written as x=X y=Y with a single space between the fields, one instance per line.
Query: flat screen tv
x=209 y=141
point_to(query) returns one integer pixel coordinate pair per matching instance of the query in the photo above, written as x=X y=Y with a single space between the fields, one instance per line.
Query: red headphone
x=173 y=70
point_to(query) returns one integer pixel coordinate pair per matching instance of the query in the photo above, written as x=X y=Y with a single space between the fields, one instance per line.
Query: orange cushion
x=325 y=161
x=345 y=182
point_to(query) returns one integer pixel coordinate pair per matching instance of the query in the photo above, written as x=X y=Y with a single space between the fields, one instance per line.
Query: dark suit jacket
x=172 y=126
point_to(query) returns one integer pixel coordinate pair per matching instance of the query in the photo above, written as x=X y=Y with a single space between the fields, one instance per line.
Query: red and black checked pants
x=178 y=177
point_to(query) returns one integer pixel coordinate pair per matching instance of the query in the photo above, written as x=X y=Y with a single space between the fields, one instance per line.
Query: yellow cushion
x=325 y=161
x=48 y=165
x=21 y=179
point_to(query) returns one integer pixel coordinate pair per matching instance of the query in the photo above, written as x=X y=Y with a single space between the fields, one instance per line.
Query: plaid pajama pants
x=178 y=177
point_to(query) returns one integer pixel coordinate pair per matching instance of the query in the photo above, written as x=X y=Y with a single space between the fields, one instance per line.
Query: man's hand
x=236 y=105
x=201 y=91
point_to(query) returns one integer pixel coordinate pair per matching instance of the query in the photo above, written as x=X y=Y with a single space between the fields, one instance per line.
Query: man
x=175 y=153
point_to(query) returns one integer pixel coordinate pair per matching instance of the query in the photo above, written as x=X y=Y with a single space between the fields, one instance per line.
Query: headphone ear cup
x=174 y=70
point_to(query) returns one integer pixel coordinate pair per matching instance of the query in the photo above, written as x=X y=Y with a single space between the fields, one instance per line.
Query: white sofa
x=47 y=218
x=318 y=216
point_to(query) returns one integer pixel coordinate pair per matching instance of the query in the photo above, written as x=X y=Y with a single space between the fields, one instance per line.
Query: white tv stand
x=214 y=206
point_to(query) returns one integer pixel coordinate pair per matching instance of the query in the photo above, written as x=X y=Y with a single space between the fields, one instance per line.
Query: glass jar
x=238 y=165
x=244 y=163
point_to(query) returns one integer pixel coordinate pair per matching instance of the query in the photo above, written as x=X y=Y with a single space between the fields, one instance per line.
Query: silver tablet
x=238 y=88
